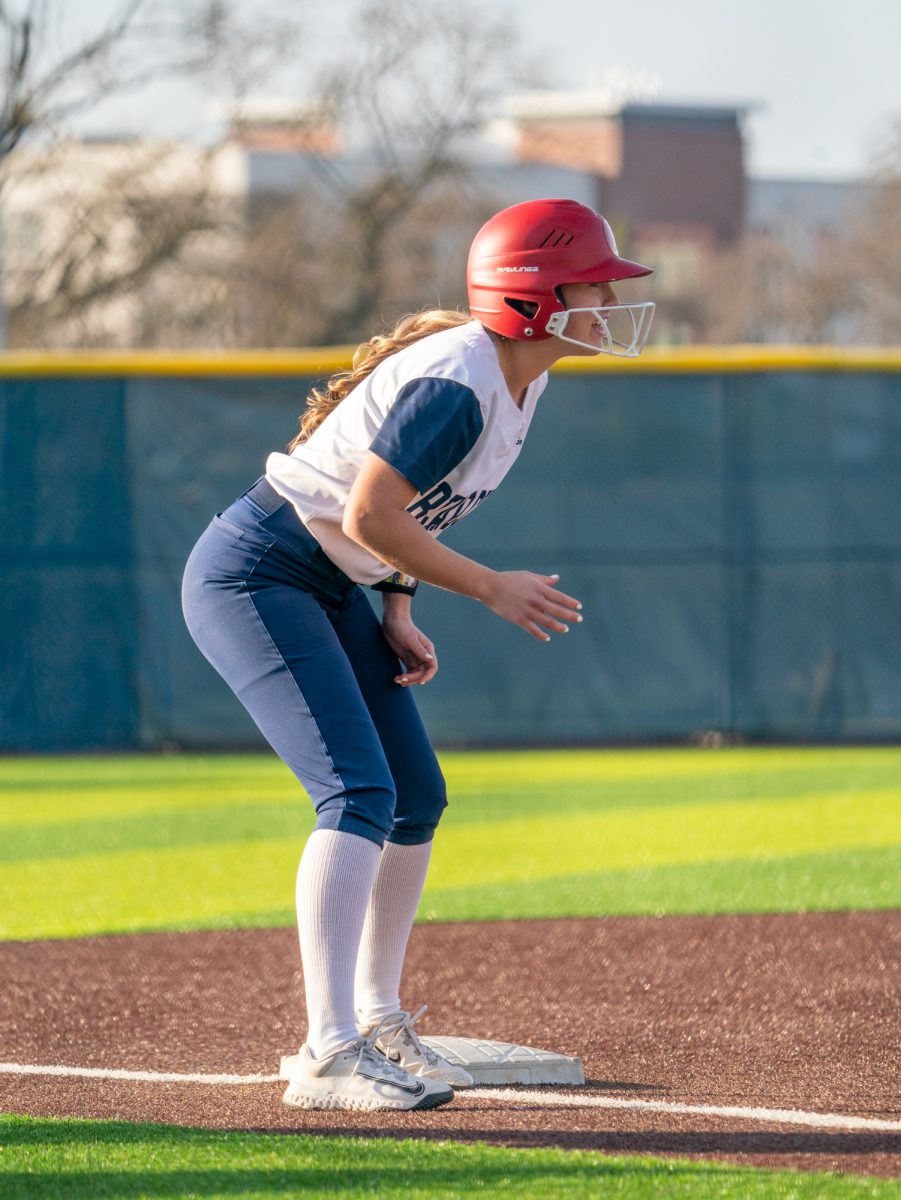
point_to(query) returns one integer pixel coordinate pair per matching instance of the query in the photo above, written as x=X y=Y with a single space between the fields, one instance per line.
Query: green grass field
x=90 y=1160
x=214 y=842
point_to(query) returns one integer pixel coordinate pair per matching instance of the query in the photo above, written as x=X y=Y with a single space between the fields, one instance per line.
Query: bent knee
x=417 y=822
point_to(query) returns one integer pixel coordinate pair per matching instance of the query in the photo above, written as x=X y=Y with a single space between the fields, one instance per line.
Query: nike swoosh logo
x=415 y=1090
x=393 y=1056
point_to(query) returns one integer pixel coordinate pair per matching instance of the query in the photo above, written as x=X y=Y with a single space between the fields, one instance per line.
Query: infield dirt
x=792 y=1011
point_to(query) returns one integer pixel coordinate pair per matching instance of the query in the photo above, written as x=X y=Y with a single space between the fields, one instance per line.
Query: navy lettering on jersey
x=434 y=499
x=440 y=509
x=431 y=427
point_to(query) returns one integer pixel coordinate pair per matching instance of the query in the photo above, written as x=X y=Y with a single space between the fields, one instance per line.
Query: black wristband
x=398 y=582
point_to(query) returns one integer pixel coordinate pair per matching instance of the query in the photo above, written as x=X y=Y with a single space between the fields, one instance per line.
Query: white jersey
x=439 y=412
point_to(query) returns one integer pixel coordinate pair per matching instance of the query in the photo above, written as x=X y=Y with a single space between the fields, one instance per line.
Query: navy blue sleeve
x=431 y=427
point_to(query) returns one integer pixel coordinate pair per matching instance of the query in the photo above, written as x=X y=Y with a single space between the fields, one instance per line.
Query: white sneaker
x=396 y=1038
x=359 y=1077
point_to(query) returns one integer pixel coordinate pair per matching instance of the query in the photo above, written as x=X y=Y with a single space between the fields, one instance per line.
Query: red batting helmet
x=524 y=253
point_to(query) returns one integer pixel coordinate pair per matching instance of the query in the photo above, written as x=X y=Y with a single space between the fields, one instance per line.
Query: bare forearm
x=376 y=517
x=399 y=540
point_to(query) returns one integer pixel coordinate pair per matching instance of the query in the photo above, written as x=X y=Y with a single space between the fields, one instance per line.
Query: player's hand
x=413 y=649
x=532 y=602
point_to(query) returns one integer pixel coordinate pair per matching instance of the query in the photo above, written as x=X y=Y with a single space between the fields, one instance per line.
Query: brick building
x=670 y=177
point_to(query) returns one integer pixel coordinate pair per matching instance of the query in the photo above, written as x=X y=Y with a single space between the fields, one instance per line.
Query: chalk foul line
x=781 y=1116
x=583 y=1099
x=131 y=1076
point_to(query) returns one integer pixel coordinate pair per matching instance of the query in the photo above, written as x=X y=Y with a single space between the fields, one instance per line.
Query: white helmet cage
x=624 y=328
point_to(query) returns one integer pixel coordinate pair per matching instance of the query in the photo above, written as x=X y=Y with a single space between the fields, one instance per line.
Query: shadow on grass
x=700 y=1142
x=682 y=1141
x=38 y=1132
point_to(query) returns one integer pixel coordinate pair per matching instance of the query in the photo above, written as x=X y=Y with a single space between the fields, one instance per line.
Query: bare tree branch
x=187 y=37
x=365 y=236
x=424 y=79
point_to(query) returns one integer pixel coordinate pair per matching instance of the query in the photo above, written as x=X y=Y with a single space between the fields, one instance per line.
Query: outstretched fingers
x=534 y=603
x=553 y=610
x=553 y=595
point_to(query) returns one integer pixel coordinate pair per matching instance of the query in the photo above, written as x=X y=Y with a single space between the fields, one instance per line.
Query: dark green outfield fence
x=731 y=521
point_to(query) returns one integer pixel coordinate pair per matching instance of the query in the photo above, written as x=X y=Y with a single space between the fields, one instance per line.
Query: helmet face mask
x=524 y=254
x=623 y=328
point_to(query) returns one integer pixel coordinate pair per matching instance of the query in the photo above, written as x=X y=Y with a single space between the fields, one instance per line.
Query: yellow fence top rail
x=327 y=360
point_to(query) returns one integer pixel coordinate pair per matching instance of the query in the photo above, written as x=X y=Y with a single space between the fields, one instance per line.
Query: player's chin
x=592 y=343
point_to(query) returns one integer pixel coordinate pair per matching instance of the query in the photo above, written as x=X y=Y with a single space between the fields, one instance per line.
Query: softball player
x=389 y=455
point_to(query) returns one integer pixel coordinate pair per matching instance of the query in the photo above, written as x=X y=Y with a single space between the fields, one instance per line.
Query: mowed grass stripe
x=151 y=831
x=844 y=764
x=502 y=801
x=139 y=770
x=186 y=887
x=849 y=879
x=48 y=805
x=198 y=804
x=267 y=816
x=845 y=879
x=33 y=790
x=660 y=836
x=47 y=1159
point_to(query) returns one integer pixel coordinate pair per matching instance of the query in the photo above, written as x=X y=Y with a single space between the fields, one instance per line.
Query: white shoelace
x=374 y=1059
x=391 y=1027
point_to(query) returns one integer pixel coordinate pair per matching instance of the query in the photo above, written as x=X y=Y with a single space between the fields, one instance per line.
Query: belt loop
x=265 y=495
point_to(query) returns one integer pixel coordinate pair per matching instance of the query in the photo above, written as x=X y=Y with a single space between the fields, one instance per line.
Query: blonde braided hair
x=368 y=355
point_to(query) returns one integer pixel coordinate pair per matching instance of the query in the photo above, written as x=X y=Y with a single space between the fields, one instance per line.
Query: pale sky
x=823 y=75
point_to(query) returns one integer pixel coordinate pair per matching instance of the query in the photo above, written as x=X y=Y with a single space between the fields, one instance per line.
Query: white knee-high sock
x=334 y=883
x=389 y=919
